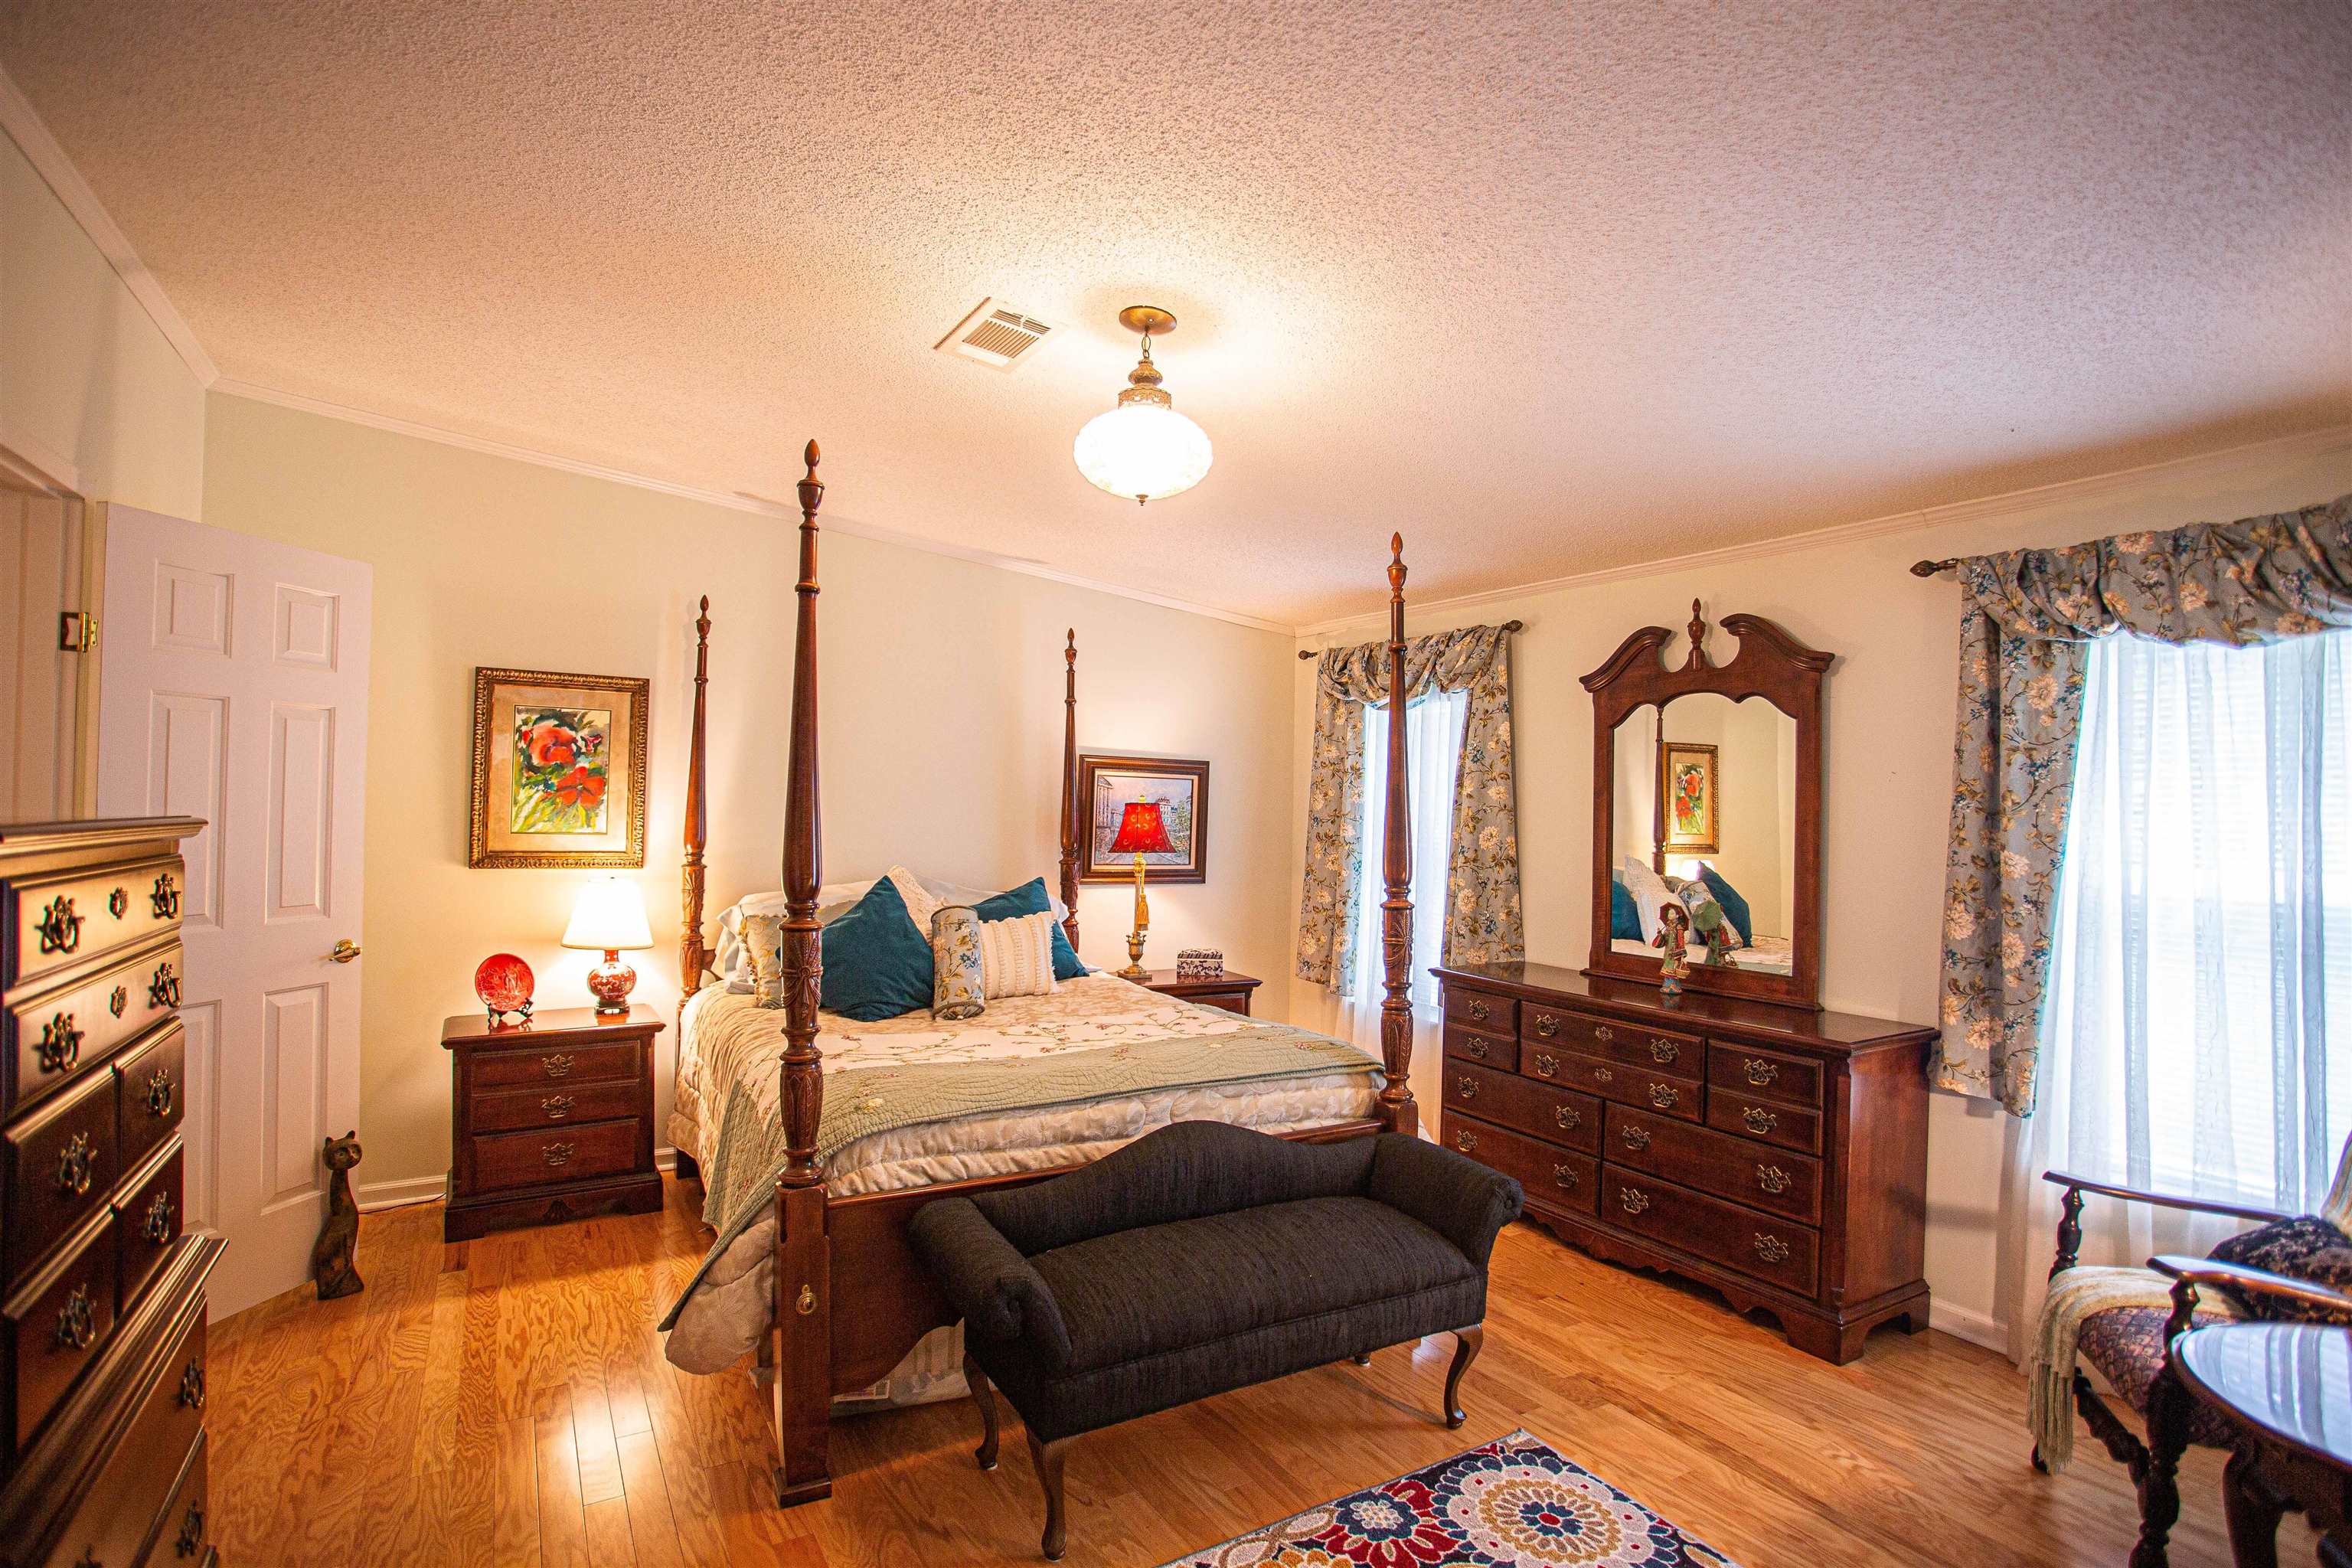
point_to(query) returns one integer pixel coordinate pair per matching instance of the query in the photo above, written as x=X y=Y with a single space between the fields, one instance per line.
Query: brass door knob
x=345 y=951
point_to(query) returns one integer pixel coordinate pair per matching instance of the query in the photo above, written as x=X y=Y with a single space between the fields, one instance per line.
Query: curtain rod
x=1929 y=568
x=1317 y=653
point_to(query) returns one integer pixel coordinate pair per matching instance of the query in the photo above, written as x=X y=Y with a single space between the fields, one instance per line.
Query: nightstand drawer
x=556 y=1064
x=555 y=1104
x=503 y=1160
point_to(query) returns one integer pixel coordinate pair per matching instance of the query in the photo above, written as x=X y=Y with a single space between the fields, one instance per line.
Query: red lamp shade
x=1142 y=831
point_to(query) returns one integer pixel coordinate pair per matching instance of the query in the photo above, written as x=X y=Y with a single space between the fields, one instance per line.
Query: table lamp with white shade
x=610 y=918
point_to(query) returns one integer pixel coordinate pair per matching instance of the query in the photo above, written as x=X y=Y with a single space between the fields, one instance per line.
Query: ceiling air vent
x=998 y=335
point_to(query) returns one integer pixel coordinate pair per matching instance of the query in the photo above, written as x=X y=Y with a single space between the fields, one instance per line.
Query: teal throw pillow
x=876 y=965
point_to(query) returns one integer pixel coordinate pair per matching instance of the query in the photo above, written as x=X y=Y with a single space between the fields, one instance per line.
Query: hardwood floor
x=505 y=1401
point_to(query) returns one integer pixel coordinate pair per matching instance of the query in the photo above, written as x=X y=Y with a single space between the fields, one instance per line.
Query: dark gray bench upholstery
x=1205 y=1257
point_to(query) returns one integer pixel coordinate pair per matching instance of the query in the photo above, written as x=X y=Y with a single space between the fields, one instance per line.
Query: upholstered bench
x=1205 y=1257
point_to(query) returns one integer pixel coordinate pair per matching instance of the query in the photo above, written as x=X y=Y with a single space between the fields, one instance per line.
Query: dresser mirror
x=1708 y=796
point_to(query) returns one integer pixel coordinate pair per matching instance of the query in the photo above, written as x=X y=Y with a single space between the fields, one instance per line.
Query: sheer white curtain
x=1352 y=1010
x=2202 y=950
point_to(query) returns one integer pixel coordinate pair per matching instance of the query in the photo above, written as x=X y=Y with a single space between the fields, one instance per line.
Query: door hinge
x=76 y=631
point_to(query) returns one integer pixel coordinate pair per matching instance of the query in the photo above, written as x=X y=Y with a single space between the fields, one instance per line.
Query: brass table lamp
x=1142 y=831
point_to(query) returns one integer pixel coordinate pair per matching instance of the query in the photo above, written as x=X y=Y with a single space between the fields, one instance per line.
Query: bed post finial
x=1072 y=832
x=804 y=969
x=1397 y=1108
x=693 y=958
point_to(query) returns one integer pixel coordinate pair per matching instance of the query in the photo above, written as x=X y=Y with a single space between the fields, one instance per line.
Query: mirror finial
x=1697 y=629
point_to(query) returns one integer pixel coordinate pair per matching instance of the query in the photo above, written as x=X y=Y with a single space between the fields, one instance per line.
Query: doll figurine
x=1674 y=942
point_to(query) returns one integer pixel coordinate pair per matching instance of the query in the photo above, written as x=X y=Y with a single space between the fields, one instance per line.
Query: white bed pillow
x=1017 y=955
x=1649 y=892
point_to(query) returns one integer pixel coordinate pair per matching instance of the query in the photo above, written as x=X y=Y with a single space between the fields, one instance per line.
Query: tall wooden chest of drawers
x=101 y=1291
x=1778 y=1154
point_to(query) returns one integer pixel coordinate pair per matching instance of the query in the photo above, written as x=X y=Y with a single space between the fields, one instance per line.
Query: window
x=2202 y=953
x=1433 y=756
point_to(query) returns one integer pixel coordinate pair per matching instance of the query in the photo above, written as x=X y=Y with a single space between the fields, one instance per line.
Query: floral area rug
x=1512 y=1503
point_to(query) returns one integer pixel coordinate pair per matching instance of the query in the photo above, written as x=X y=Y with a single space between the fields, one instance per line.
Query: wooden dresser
x=1779 y=1154
x=549 y=1119
x=102 y=1295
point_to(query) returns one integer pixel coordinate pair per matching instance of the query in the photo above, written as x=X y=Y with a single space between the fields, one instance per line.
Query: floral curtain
x=2026 y=618
x=1482 y=879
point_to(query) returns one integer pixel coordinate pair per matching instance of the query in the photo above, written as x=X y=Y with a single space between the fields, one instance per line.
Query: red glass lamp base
x=610 y=982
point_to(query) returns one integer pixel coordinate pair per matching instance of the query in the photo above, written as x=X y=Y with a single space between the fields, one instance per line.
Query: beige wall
x=1890 y=703
x=86 y=378
x=941 y=712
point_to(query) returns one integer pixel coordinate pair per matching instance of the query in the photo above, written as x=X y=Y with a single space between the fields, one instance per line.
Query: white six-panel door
x=234 y=688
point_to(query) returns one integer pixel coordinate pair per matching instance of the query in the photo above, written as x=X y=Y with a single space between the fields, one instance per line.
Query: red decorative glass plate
x=504 y=984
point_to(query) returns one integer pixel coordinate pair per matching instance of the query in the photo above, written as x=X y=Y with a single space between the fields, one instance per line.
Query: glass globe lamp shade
x=1143 y=450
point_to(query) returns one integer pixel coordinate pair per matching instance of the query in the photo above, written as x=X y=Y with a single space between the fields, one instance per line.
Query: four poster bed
x=831 y=1194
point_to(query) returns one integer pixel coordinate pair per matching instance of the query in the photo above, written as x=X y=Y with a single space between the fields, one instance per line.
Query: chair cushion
x=1243 y=1270
x=2126 y=1345
x=2305 y=1248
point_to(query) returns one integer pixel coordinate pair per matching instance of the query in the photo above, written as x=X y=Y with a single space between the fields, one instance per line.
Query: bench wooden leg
x=1048 y=1457
x=1466 y=1350
x=1360 y=1359
x=985 y=1397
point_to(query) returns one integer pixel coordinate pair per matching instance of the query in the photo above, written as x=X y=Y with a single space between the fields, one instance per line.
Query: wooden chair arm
x=2162 y=1200
x=2190 y=1273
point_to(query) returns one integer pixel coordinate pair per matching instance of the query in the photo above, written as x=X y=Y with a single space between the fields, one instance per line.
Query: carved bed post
x=692 y=958
x=1073 y=833
x=804 y=1305
x=1397 y=1106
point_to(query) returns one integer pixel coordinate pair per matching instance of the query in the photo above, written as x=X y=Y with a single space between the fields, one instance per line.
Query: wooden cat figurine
x=330 y=1257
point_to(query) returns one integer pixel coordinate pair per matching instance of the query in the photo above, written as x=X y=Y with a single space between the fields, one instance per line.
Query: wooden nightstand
x=551 y=1120
x=1229 y=990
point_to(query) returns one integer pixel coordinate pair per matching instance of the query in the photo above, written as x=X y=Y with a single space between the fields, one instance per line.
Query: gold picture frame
x=559 y=777
x=1690 y=800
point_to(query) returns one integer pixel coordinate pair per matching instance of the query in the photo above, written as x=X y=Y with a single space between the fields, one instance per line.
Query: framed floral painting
x=1690 y=800
x=1180 y=789
x=559 y=770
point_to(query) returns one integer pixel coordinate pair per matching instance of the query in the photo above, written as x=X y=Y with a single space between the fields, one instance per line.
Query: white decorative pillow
x=1649 y=892
x=732 y=961
x=1016 y=956
x=764 y=940
x=920 y=904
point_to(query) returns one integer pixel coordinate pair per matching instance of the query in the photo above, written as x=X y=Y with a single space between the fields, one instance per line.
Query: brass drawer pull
x=156 y=1227
x=78 y=1321
x=1477 y=1009
x=556 y=1154
x=59 y=927
x=116 y=903
x=1569 y=1117
x=1634 y=1137
x=556 y=1065
x=163 y=990
x=1546 y=1064
x=1602 y=1075
x=1547 y=1025
x=557 y=1106
x=1467 y=1089
x=1771 y=1248
x=1633 y=1200
x=163 y=899
x=1565 y=1175
x=160 y=1092
x=74 y=1165
x=192 y=1531
x=1466 y=1140
x=1664 y=1095
x=60 y=1046
x=192 y=1385
x=1771 y=1178
x=1476 y=1047
x=1603 y=1033
x=1759 y=1120
x=118 y=1000
x=1663 y=1051
x=1760 y=1072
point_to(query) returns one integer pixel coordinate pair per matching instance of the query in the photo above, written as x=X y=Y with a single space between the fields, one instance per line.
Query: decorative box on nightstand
x=551 y=1120
x=1229 y=990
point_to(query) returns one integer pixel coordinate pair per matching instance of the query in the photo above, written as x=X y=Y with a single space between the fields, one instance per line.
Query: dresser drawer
x=185 y=1532
x=148 y=1218
x=1555 y=1115
x=60 y=1165
x=53 y=1037
x=555 y=1064
x=1486 y=1050
x=1560 y=1177
x=568 y=1154
x=551 y=1105
x=149 y=1471
x=1740 y=1110
x=1628 y=1045
x=71 y=918
x=55 y=1323
x=1715 y=1163
x=150 y=1093
x=1482 y=1010
x=1776 y=1251
x=1679 y=1097
x=1771 y=1075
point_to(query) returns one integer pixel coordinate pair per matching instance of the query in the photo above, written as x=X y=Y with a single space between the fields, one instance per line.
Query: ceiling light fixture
x=1143 y=447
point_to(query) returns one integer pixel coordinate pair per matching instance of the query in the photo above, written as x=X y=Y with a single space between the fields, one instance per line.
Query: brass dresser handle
x=1467 y=1087
x=78 y=1321
x=116 y=903
x=192 y=1531
x=556 y=1154
x=74 y=1163
x=1602 y=1075
x=557 y=1106
x=1478 y=1009
x=1771 y=1248
x=60 y=1046
x=1466 y=1140
x=1564 y=1174
x=1547 y=1025
x=1663 y=1051
x=1771 y=1178
x=160 y=1091
x=1760 y=1072
x=1546 y=1064
x=1603 y=1033
x=1759 y=1120
x=192 y=1385
x=164 y=989
x=163 y=899
x=1569 y=1117
x=1633 y=1200
x=1634 y=1137
x=1664 y=1095
x=157 y=1226
x=1477 y=1047
x=557 y=1066
x=59 y=927
x=118 y=1000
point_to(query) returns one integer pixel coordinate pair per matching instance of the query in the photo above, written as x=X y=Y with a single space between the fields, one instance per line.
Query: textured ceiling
x=1550 y=288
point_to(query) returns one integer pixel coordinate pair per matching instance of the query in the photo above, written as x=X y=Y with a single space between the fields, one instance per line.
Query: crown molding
x=834 y=521
x=25 y=126
x=1984 y=509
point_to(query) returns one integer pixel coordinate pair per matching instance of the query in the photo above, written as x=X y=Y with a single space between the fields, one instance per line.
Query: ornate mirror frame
x=1770 y=664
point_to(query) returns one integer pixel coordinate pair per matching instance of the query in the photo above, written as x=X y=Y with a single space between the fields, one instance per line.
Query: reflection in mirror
x=1705 y=812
